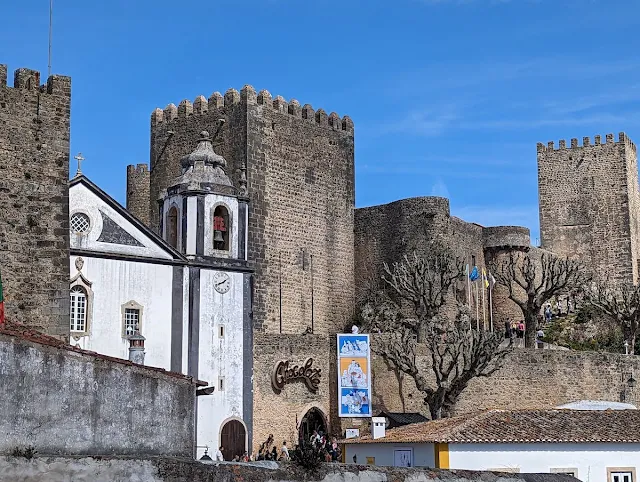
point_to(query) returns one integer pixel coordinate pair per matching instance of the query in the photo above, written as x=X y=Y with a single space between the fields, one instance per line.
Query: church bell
x=217 y=237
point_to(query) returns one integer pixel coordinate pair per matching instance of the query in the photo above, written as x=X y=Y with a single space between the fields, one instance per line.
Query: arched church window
x=78 y=309
x=221 y=228
x=172 y=227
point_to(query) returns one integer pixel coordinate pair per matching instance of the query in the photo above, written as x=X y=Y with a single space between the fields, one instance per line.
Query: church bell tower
x=202 y=214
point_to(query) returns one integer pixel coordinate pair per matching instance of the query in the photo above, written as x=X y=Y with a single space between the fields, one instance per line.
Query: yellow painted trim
x=441 y=453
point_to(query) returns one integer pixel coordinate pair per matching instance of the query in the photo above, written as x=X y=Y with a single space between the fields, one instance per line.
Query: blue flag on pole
x=474 y=274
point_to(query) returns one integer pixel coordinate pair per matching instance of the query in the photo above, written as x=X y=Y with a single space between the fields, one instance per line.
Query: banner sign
x=354 y=376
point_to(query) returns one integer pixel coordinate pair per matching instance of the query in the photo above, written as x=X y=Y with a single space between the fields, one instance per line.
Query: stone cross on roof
x=78 y=157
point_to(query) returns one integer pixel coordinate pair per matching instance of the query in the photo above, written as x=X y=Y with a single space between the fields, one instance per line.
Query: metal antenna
x=50 y=32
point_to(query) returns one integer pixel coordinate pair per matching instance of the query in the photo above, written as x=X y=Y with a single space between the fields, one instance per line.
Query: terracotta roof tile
x=524 y=426
x=25 y=333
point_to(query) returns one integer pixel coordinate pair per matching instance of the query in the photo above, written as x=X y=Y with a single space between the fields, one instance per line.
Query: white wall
x=81 y=199
x=423 y=454
x=220 y=357
x=114 y=283
x=591 y=460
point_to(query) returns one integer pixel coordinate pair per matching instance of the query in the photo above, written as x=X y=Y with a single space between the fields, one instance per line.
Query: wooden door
x=233 y=439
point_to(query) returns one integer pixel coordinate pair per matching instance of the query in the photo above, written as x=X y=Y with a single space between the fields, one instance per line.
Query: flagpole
x=477 y=307
x=490 y=308
x=484 y=315
x=50 y=32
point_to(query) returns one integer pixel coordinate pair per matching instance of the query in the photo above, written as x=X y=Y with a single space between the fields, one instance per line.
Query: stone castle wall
x=300 y=172
x=386 y=233
x=528 y=379
x=138 y=185
x=589 y=203
x=34 y=199
x=280 y=413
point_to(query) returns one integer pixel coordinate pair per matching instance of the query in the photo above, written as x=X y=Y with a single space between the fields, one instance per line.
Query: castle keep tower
x=298 y=166
x=34 y=199
x=589 y=204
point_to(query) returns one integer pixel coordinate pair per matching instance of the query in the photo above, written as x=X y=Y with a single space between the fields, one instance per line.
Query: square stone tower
x=34 y=199
x=589 y=204
x=298 y=168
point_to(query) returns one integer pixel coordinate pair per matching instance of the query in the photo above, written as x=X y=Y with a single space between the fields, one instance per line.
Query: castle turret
x=34 y=199
x=138 y=184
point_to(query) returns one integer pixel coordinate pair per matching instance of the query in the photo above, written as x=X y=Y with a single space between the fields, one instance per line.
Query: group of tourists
x=513 y=329
x=330 y=449
x=269 y=451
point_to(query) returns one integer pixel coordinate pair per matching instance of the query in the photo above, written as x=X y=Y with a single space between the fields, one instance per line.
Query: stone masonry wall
x=179 y=470
x=589 y=203
x=386 y=233
x=65 y=401
x=528 y=379
x=34 y=199
x=300 y=171
x=280 y=413
x=138 y=185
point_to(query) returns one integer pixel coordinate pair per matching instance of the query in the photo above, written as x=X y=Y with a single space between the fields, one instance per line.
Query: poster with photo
x=354 y=375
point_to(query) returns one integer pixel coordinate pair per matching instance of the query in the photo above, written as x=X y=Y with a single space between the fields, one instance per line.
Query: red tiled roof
x=25 y=333
x=520 y=426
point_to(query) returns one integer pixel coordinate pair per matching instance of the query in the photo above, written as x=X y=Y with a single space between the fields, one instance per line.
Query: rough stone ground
x=97 y=469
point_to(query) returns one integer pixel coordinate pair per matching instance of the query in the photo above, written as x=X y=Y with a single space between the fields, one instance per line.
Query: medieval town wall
x=386 y=233
x=34 y=199
x=66 y=401
x=300 y=171
x=589 y=203
x=528 y=379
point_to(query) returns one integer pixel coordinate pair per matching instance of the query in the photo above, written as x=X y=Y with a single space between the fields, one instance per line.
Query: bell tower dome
x=201 y=213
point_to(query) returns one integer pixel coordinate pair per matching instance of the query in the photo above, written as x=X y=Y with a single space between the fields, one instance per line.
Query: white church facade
x=186 y=295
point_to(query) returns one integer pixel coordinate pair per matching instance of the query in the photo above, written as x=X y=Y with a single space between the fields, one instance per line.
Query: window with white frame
x=621 y=475
x=78 y=309
x=131 y=319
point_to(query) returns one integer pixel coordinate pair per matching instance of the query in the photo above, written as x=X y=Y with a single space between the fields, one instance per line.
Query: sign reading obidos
x=283 y=373
x=354 y=376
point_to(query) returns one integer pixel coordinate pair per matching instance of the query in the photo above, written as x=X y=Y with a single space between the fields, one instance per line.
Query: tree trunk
x=530 y=327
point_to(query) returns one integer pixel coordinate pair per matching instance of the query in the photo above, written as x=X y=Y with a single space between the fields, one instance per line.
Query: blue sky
x=449 y=97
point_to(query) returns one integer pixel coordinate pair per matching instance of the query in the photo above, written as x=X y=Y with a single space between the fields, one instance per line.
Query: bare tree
x=425 y=340
x=424 y=283
x=532 y=281
x=621 y=303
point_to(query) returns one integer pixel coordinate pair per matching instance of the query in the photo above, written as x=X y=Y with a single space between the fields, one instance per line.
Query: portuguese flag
x=1 y=302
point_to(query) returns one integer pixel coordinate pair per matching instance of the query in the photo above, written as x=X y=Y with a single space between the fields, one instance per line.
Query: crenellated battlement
x=29 y=80
x=137 y=169
x=248 y=96
x=587 y=142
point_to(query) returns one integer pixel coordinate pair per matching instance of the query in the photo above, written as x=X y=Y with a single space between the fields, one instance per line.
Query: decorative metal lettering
x=283 y=374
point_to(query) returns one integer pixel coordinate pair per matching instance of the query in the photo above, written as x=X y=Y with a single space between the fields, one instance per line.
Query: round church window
x=80 y=223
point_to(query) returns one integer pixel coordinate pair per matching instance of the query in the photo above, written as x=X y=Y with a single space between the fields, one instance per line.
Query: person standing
x=219 y=457
x=284 y=452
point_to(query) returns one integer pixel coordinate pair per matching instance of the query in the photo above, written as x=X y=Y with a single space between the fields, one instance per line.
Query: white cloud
x=439 y=189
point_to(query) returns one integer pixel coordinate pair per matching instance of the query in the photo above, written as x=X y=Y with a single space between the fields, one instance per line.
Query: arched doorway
x=314 y=420
x=233 y=439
